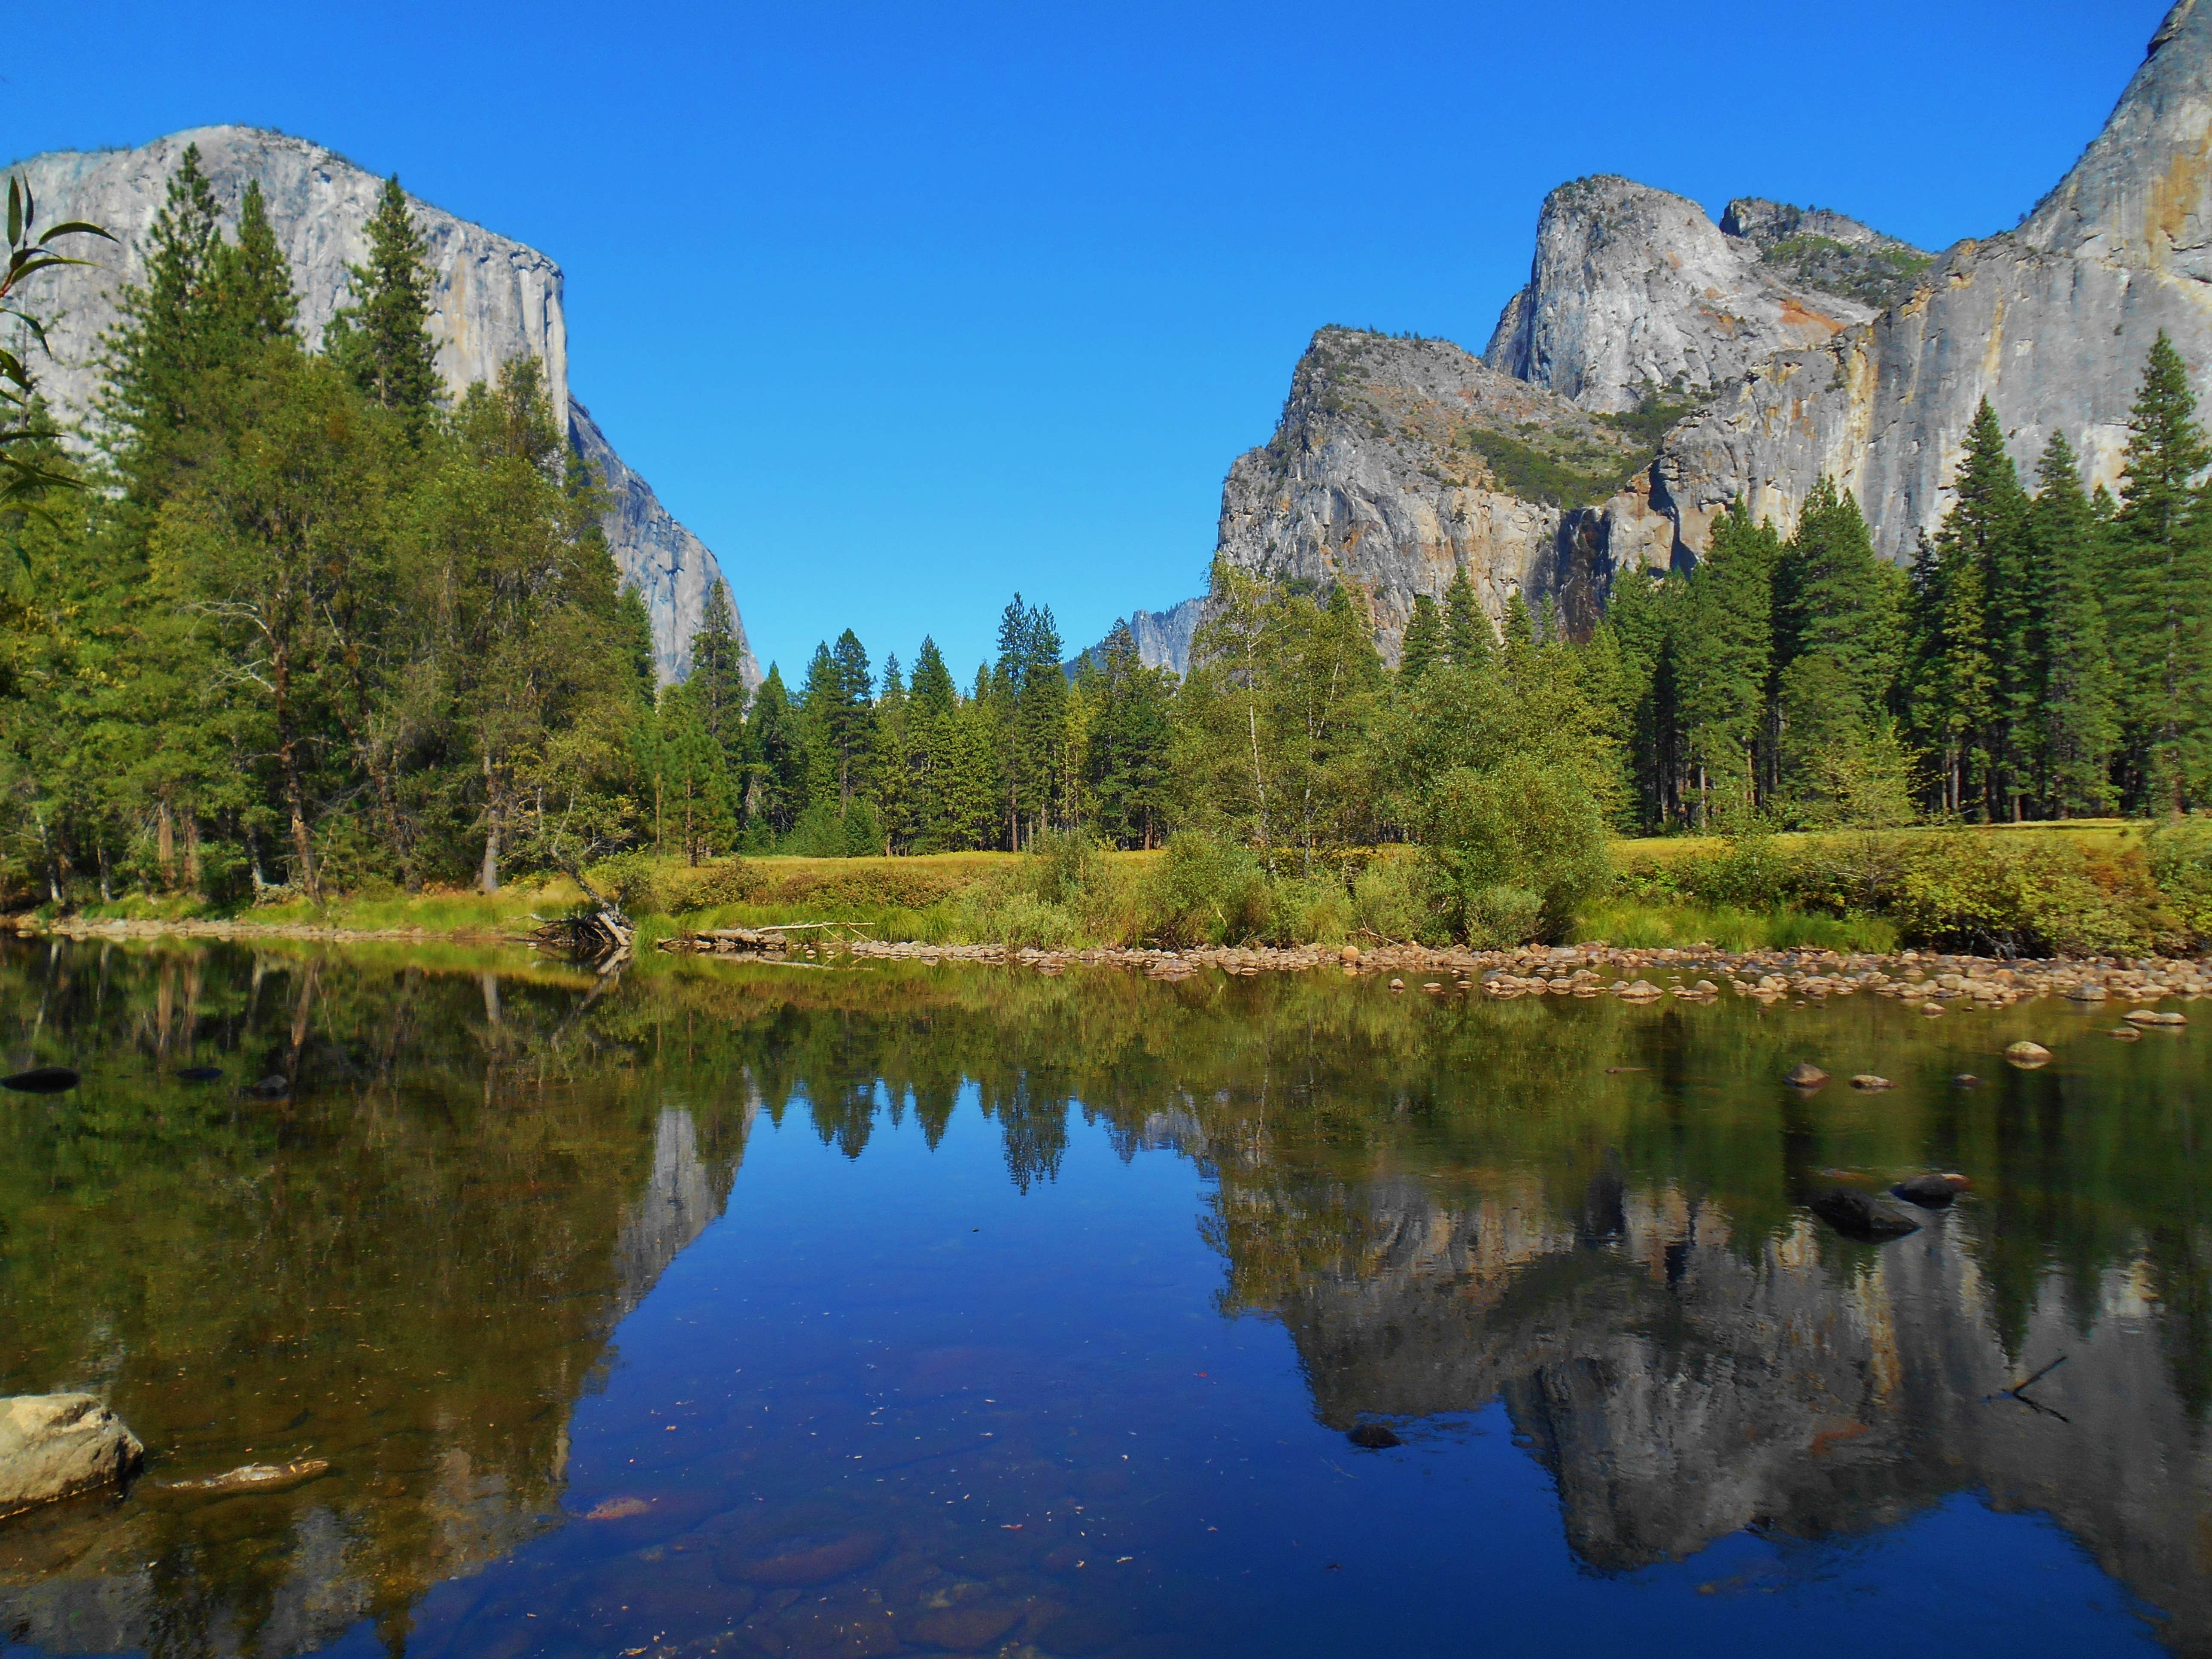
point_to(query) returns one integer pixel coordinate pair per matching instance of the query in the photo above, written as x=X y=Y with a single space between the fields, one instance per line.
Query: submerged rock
x=2030 y=1054
x=1965 y=1080
x=57 y=1445
x=1868 y=1080
x=1805 y=1075
x=1373 y=1436
x=807 y=1559
x=1930 y=1192
x=1858 y=1215
x=275 y=1086
x=254 y=1477
x=41 y=1080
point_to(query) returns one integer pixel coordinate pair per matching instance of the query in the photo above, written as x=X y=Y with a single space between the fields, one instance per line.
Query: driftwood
x=603 y=936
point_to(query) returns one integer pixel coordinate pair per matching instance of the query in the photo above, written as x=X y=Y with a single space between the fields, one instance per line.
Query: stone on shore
x=59 y=1445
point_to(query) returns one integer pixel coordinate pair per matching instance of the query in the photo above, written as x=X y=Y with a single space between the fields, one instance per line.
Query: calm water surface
x=802 y=1313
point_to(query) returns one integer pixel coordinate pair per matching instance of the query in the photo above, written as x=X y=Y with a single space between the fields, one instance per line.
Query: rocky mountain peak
x=1635 y=294
x=2141 y=193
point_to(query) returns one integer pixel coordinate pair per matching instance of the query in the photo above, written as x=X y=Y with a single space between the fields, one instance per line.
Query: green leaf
x=14 y=214
x=75 y=228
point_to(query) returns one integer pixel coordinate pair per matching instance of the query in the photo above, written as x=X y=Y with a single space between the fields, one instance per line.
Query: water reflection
x=412 y=1261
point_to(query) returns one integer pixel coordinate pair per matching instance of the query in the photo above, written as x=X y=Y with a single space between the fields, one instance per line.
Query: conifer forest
x=312 y=620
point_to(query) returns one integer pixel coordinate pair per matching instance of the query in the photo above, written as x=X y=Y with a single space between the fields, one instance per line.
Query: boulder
x=1858 y=1215
x=2028 y=1054
x=1930 y=1192
x=2153 y=1016
x=1805 y=1075
x=58 y=1445
x=41 y=1080
x=1349 y=956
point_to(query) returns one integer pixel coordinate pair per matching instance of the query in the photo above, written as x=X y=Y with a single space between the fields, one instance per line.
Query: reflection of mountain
x=412 y=1270
x=1681 y=1385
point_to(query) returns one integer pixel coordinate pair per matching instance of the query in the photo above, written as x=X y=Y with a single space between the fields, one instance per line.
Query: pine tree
x=2162 y=590
x=1725 y=656
x=382 y=340
x=251 y=281
x=717 y=677
x=1424 y=645
x=1467 y=638
x=1517 y=641
x=2079 y=725
x=633 y=630
x=1961 y=675
x=932 y=701
x=775 y=761
x=159 y=356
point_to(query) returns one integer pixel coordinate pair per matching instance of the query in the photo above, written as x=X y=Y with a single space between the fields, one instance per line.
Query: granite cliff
x=1636 y=294
x=1665 y=365
x=1398 y=461
x=495 y=300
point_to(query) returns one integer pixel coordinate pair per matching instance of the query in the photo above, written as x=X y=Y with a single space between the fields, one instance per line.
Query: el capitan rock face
x=493 y=299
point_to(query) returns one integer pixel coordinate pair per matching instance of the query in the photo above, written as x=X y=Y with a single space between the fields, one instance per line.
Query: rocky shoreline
x=1932 y=981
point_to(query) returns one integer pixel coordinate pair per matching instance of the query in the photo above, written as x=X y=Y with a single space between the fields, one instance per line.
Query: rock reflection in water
x=415 y=1263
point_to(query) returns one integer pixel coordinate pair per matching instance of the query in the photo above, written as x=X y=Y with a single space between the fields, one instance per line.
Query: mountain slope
x=494 y=300
x=2051 y=322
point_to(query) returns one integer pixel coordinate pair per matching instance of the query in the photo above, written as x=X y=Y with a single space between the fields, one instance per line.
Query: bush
x=644 y=885
x=1393 y=898
x=1207 y=891
x=2181 y=863
x=825 y=832
x=1512 y=852
x=1983 y=893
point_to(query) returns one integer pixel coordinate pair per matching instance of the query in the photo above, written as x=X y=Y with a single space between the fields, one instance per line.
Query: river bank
x=1932 y=981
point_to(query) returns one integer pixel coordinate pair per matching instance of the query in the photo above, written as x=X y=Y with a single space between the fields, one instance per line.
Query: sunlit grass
x=1638 y=926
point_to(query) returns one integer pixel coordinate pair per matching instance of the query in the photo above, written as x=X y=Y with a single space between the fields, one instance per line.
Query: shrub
x=2181 y=863
x=1514 y=852
x=1206 y=891
x=1393 y=898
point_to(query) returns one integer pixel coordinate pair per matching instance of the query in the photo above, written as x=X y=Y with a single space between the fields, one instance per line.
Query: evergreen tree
x=159 y=359
x=633 y=630
x=2162 y=591
x=2076 y=688
x=775 y=791
x=717 y=677
x=1467 y=638
x=1960 y=675
x=1424 y=644
x=251 y=281
x=1126 y=757
x=1724 y=656
x=1517 y=638
x=382 y=340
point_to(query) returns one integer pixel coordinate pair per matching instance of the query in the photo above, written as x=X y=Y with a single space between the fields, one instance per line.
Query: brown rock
x=2153 y=1016
x=2028 y=1054
x=57 y=1445
x=963 y=1630
x=1805 y=1075
x=1868 y=1080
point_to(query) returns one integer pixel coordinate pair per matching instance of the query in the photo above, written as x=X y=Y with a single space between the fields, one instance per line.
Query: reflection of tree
x=1585 y=1209
x=410 y=1267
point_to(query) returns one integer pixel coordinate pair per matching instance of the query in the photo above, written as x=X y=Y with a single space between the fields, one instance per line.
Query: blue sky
x=903 y=308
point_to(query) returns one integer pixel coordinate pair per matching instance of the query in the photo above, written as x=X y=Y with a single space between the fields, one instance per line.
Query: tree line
x=321 y=622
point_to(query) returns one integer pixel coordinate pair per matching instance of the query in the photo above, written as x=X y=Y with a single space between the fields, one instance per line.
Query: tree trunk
x=165 y=842
x=488 y=875
x=192 y=873
x=288 y=762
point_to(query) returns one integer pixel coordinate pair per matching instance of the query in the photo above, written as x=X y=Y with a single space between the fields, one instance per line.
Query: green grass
x=1637 y=927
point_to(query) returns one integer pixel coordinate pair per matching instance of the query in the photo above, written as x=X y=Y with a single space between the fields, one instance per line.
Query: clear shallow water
x=805 y=1313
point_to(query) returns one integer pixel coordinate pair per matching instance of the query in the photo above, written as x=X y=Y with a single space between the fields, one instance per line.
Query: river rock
x=58 y=1445
x=806 y=1559
x=1930 y=1192
x=1373 y=1436
x=2028 y=1054
x=1856 y=1215
x=1869 y=1081
x=41 y=1080
x=1965 y=1080
x=2087 y=993
x=2153 y=1016
x=255 y=1477
x=1805 y=1075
